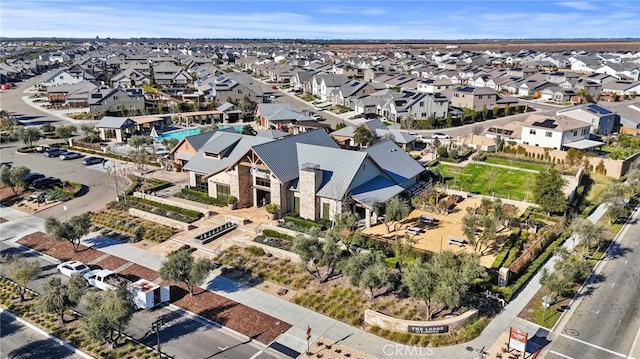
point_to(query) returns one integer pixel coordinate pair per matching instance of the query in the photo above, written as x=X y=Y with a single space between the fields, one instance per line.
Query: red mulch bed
x=43 y=243
x=136 y=271
x=248 y=321
x=112 y=262
x=2 y=220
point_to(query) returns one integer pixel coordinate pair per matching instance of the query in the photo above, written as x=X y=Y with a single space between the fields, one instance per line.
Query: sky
x=315 y=19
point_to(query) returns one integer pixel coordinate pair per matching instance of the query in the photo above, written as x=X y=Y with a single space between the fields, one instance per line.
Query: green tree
x=137 y=141
x=248 y=107
x=368 y=270
x=57 y=298
x=107 y=314
x=547 y=191
x=375 y=277
x=421 y=280
x=591 y=235
x=169 y=143
x=89 y=132
x=442 y=152
x=248 y=130
x=394 y=211
x=554 y=282
x=584 y=94
x=340 y=126
x=21 y=271
x=180 y=266
x=12 y=177
x=209 y=128
x=28 y=135
x=65 y=132
x=71 y=231
x=313 y=252
x=362 y=136
x=470 y=228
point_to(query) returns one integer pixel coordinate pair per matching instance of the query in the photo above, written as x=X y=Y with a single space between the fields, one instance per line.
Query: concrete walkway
x=20 y=224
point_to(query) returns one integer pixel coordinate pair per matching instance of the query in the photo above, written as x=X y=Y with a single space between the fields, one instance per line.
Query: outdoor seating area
x=457 y=241
x=413 y=190
x=214 y=233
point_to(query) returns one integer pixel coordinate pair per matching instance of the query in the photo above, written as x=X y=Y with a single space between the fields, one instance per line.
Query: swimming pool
x=182 y=133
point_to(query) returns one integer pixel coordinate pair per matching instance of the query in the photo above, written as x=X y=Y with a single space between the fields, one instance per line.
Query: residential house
x=130 y=78
x=475 y=98
x=110 y=100
x=322 y=85
x=117 y=128
x=556 y=132
x=622 y=87
x=601 y=119
x=350 y=91
x=63 y=77
x=416 y=104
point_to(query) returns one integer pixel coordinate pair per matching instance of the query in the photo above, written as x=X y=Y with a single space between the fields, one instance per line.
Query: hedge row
x=201 y=197
x=153 y=185
x=502 y=255
x=275 y=234
x=183 y=211
x=77 y=187
x=509 y=291
x=302 y=222
x=109 y=155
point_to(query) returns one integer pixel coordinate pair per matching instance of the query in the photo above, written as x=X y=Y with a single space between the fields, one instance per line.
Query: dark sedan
x=28 y=179
x=46 y=182
x=92 y=160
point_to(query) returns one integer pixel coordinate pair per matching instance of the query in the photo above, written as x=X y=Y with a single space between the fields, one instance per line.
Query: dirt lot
x=43 y=243
x=435 y=239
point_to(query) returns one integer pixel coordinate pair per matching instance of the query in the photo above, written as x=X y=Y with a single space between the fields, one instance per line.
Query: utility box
x=147 y=295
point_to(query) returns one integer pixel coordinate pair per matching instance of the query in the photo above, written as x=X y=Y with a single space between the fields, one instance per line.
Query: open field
x=483 y=179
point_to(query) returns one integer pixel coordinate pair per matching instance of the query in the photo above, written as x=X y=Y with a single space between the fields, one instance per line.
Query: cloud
x=578 y=5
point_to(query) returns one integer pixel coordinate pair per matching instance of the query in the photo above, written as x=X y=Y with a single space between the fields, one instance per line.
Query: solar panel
x=548 y=123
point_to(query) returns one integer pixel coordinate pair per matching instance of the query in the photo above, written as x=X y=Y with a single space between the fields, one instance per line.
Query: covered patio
x=584 y=145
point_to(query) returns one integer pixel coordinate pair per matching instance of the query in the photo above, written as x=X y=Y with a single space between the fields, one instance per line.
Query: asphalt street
x=20 y=342
x=181 y=337
x=606 y=321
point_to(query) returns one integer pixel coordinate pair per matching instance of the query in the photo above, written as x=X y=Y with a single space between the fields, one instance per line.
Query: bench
x=457 y=241
x=413 y=230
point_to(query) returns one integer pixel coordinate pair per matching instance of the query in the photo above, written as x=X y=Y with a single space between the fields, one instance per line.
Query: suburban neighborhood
x=319 y=199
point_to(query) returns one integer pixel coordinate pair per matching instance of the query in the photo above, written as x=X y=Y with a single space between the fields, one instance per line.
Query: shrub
x=201 y=197
x=275 y=234
x=256 y=251
x=502 y=255
x=167 y=207
x=302 y=222
x=271 y=208
x=232 y=200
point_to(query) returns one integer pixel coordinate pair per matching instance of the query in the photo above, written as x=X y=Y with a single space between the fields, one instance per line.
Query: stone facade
x=383 y=321
x=279 y=195
x=245 y=180
x=309 y=181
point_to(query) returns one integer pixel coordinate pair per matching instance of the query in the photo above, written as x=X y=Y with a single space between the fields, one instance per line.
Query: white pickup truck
x=145 y=294
x=104 y=279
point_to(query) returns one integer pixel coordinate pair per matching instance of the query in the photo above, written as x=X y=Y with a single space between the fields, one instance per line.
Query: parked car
x=317 y=117
x=28 y=179
x=72 y=267
x=53 y=152
x=440 y=135
x=46 y=182
x=104 y=279
x=41 y=148
x=70 y=155
x=274 y=87
x=91 y=160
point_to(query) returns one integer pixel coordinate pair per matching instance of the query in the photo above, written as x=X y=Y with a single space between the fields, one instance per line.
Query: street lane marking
x=613 y=285
x=560 y=355
x=223 y=349
x=595 y=346
x=596 y=311
x=256 y=355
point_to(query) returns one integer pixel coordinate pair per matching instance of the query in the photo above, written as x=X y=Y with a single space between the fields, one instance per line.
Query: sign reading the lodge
x=432 y=329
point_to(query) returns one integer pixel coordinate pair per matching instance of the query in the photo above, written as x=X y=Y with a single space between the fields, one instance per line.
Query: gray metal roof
x=272 y=134
x=394 y=161
x=378 y=189
x=339 y=167
x=281 y=156
x=220 y=145
x=210 y=166
x=115 y=122
x=197 y=141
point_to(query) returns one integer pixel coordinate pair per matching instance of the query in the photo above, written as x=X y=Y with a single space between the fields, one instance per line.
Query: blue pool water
x=180 y=134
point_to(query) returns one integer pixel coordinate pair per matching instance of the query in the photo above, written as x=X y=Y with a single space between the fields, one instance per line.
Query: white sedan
x=440 y=135
x=72 y=267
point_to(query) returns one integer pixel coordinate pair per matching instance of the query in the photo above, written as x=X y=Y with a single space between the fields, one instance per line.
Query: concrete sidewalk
x=299 y=317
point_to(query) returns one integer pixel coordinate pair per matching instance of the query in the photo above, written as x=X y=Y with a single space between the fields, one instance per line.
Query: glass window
x=325 y=211
x=548 y=134
x=223 y=191
x=532 y=132
x=201 y=182
x=296 y=204
x=264 y=182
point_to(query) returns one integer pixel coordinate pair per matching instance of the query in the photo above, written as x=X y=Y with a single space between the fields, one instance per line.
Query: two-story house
x=556 y=132
x=601 y=119
x=475 y=98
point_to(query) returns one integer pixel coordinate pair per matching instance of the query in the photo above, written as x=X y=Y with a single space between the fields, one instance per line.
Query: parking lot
x=100 y=188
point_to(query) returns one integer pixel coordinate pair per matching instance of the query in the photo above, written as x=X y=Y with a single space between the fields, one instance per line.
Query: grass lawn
x=308 y=98
x=483 y=179
x=519 y=164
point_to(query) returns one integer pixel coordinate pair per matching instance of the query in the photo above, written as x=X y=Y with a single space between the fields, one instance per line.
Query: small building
x=118 y=128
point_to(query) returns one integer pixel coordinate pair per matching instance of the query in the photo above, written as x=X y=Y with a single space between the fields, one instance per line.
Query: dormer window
x=212 y=155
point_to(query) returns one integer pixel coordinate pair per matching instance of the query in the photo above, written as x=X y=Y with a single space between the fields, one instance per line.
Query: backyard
x=489 y=180
x=515 y=163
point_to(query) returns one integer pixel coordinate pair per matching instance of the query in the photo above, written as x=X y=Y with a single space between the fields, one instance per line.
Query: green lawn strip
x=519 y=164
x=483 y=179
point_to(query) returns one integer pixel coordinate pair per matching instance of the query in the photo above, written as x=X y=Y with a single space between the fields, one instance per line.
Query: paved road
x=11 y=101
x=182 y=336
x=19 y=342
x=606 y=321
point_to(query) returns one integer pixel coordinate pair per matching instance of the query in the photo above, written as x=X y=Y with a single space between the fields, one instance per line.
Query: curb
x=46 y=334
